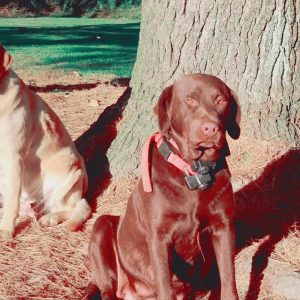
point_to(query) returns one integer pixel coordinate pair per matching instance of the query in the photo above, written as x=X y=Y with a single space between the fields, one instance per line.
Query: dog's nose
x=209 y=128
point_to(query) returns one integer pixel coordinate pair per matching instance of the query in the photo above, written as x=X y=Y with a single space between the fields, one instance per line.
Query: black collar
x=205 y=171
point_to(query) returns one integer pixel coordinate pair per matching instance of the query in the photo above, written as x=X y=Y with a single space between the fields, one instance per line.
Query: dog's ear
x=161 y=107
x=5 y=60
x=233 y=126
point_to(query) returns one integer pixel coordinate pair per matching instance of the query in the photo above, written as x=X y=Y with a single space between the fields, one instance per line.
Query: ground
x=51 y=263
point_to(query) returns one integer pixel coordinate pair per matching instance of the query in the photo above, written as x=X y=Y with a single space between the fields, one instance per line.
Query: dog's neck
x=180 y=146
x=178 y=143
x=200 y=178
x=200 y=175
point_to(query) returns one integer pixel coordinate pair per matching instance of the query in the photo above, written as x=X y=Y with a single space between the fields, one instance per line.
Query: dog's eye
x=220 y=100
x=190 y=100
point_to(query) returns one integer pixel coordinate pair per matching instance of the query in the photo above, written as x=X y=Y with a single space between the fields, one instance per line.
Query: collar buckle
x=204 y=176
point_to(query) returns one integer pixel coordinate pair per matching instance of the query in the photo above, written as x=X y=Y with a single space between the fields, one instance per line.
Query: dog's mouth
x=205 y=146
x=206 y=151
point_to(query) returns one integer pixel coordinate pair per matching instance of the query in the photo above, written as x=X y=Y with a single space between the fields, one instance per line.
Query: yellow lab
x=38 y=160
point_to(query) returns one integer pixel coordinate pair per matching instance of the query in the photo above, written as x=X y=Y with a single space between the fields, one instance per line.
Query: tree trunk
x=252 y=46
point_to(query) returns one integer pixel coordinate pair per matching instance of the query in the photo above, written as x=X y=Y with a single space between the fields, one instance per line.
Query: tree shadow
x=62 y=87
x=94 y=143
x=120 y=81
x=268 y=208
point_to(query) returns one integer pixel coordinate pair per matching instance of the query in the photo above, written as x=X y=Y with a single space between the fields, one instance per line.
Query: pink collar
x=172 y=158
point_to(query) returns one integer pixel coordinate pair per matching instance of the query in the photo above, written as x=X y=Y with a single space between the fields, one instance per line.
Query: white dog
x=38 y=160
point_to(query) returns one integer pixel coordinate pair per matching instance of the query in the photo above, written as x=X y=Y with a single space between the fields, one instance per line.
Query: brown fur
x=155 y=250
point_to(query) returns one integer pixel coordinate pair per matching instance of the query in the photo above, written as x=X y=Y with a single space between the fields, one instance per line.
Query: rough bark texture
x=252 y=46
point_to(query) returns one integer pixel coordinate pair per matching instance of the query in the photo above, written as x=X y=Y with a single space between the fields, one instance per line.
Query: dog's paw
x=70 y=225
x=50 y=219
x=6 y=235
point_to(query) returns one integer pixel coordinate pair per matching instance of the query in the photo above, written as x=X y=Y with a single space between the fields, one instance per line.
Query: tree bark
x=252 y=46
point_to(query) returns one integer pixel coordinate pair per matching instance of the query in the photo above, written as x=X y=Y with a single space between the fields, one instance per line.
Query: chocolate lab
x=157 y=249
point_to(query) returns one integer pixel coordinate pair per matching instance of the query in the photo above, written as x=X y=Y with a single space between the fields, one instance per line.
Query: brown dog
x=155 y=250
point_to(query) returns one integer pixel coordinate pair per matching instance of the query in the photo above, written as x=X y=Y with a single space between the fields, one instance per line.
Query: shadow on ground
x=94 y=143
x=124 y=82
x=267 y=208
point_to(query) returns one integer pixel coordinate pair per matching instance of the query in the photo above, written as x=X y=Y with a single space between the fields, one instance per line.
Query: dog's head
x=197 y=111
x=5 y=60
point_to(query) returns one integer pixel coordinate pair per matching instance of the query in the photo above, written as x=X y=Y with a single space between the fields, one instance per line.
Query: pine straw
x=287 y=252
x=249 y=156
x=283 y=260
x=43 y=264
x=51 y=263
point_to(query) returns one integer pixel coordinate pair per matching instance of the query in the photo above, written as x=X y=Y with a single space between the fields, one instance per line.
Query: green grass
x=88 y=46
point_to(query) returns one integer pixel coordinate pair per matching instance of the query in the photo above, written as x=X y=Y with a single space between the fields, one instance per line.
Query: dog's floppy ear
x=233 y=126
x=5 y=60
x=160 y=109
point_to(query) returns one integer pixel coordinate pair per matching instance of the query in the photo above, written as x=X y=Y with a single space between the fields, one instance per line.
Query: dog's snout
x=209 y=128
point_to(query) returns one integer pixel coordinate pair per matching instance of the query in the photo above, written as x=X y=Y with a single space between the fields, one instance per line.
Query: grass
x=88 y=46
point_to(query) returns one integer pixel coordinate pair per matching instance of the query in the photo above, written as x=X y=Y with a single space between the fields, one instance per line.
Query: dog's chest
x=187 y=228
x=187 y=245
x=192 y=217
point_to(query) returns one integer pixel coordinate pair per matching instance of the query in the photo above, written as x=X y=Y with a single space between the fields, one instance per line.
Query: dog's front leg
x=12 y=185
x=159 y=248
x=224 y=246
